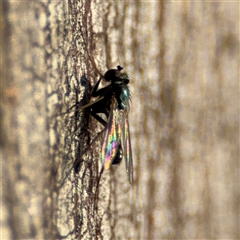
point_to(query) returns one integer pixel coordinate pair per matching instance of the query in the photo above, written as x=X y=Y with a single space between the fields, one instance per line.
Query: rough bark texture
x=182 y=58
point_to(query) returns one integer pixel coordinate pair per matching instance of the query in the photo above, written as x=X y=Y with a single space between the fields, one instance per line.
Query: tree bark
x=182 y=58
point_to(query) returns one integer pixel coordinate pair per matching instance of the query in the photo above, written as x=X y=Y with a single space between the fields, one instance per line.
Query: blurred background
x=183 y=60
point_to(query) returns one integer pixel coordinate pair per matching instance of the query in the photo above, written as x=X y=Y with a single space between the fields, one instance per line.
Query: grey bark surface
x=182 y=58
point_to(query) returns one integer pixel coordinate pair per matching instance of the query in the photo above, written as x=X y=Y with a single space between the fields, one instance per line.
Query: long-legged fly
x=113 y=101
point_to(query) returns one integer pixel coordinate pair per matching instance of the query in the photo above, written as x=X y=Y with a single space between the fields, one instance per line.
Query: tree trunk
x=182 y=58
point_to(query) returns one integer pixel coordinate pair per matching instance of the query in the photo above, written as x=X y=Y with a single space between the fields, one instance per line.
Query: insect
x=113 y=101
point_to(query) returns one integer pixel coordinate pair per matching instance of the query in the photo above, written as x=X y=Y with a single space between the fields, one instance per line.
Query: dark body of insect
x=113 y=101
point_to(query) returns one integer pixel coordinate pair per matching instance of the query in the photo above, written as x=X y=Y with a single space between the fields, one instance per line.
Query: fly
x=113 y=101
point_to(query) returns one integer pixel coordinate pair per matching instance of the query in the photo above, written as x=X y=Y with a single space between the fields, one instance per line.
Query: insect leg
x=95 y=88
x=98 y=118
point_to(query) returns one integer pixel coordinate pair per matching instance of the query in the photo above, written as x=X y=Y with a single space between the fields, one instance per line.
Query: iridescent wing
x=117 y=134
x=127 y=149
x=112 y=138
